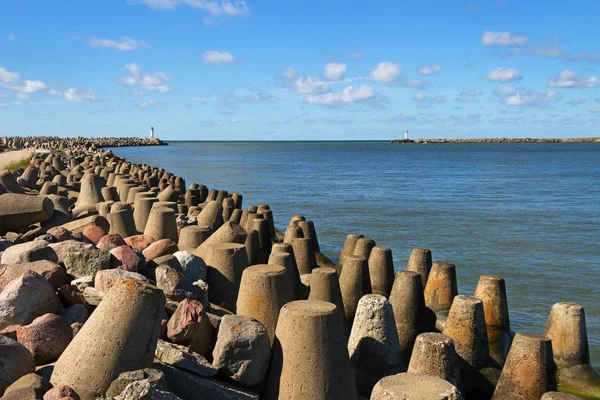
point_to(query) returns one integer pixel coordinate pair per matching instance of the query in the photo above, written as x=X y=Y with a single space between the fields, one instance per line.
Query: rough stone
x=70 y=295
x=85 y=261
x=174 y=284
x=183 y=358
x=28 y=252
x=61 y=392
x=109 y=242
x=193 y=267
x=139 y=242
x=243 y=350
x=15 y=362
x=94 y=233
x=92 y=296
x=54 y=273
x=125 y=258
x=26 y=298
x=75 y=313
x=105 y=279
x=160 y=248
x=408 y=386
x=36 y=383
x=144 y=390
x=46 y=337
x=154 y=377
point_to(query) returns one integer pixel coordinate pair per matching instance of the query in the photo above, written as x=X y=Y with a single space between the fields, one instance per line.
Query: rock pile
x=118 y=281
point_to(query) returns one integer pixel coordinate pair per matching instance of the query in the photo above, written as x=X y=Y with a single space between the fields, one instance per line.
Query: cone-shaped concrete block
x=441 y=286
x=292 y=233
x=192 y=236
x=9 y=182
x=304 y=254
x=141 y=211
x=560 y=396
x=529 y=371
x=381 y=270
x=309 y=343
x=434 y=355
x=162 y=224
x=309 y=232
x=373 y=346
x=351 y=284
x=410 y=313
x=211 y=216
x=229 y=232
x=420 y=262
x=264 y=289
x=109 y=193
x=89 y=195
x=407 y=386
x=121 y=220
x=110 y=343
x=491 y=290
x=287 y=261
x=253 y=248
x=325 y=286
x=349 y=246
x=226 y=262
x=20 y=210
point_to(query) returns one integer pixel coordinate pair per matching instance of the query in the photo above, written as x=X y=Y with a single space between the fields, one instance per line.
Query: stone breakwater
x=120 y=281
x=8 y=143
x=501 y=140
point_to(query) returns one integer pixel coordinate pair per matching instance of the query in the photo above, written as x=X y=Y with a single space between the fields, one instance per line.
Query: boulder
x=84 y=261
x=61 y=234
x=243 y=350
x=61 y=392
x=54 y=273
x=26 y=298
x=94 y=233
x=46 y=337
x=183 y=358
x=193 y=266
x=28 y=252
x=125 y=258
x=36 y=384
x=154 y=377
x=109 y=242
x=190 y=325
x=15 y=362
x=160 y=248
x=139 y=242
x=174 y=284
x=75 y=313
x=144 y=390
x=105 y=279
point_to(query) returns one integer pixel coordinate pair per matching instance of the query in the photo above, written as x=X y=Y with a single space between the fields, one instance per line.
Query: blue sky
x=313 y=70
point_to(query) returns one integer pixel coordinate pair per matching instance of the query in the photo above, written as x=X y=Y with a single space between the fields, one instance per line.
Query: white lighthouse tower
x=151 y=132
x=406 y=134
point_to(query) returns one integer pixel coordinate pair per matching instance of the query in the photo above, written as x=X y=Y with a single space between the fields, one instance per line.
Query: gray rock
x=15 y=362
x=75 y=313
x=183 y=358
x=25 y=298
x=193 y=266
x=243 y=349
x=83 y=282
x=37 y=383
x=85 y=261
x=174 y=284
x=5 y=244
x=189 y=386
x=92 y=296
x=143 y=390
x=28 y=252
x=105 y=279
x=155 y=377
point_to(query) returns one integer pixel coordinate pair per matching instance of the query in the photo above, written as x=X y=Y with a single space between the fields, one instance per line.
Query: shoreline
x=12 y=156
x=89 y=214
x=497 y=140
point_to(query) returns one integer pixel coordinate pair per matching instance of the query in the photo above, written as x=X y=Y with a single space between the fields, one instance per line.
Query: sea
x=527 y=212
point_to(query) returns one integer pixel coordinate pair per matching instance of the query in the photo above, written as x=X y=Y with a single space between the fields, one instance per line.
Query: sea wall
x=501 y=140
x=42 y=142
x=121 y=281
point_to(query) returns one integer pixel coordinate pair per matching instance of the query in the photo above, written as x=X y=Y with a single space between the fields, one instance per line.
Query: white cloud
x=504 y=75
x=430 y=69
x=73 y=95
x=413 y=83
x=288 y=72
x=589 y=58
x=472 y=92
x=570 y=79
x=310 y=85
x=124 y=44
x=421 y=97
x=216 y=9
x=218 y=57
x=11 y=36
x=145 y=83
x=575 y=101
x=502 y=39
x=551 y=52
x=350 y=94
x=147 y=104
x=334 y=71
x=531 y=98
x=386 y=72
x=595 y=109
x=22 y=88
x=504 y=90
x=399 y=118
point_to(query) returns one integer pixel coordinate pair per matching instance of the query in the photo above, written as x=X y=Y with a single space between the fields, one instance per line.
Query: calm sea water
x=527 y=212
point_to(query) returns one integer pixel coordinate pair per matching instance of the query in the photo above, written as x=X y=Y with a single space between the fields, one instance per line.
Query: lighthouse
x=406 y=134
x=151 y=132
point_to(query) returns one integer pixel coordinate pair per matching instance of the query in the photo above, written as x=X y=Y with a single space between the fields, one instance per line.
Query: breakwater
x=8 y=143
x=499 y=140
x=382 y=313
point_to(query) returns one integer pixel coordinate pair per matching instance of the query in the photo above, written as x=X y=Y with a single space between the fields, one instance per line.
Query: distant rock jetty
x=500 y=140
x=8 y=143
x=119 y=281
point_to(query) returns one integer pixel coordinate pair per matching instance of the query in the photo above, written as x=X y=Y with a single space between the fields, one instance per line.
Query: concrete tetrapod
x=373 y=345
x=352 y=284
x=566 y=328
x=192 y=236
x=491 y=290
x=381 y=270
x=20 y=210
x=325 y=286
x=287 y=261
x=89 y=195
x=420 y=262
x=229 y=232
x=304 y=254
x=141 y=211
x=110 y=343
x=434 y=355
x=264 y=289
x=121 y=220
x=409 y=386
x=310 y=345
x=529 y=371
x=348 y=249
x=225 y=262
x=162 y=224
x=440 y=290
x=466 y=327
x=411 y=315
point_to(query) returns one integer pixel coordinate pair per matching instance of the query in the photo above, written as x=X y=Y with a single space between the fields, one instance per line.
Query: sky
x=310 y=70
